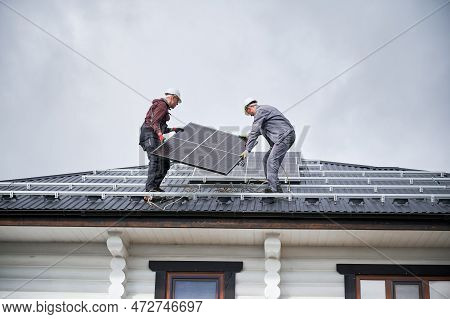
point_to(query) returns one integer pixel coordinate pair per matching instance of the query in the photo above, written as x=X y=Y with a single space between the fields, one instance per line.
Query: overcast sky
x=60 y=114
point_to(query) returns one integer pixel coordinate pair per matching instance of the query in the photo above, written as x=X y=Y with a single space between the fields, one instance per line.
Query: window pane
x=407 y=291
x=373 y=289
x=195 y=289
x=439 y=289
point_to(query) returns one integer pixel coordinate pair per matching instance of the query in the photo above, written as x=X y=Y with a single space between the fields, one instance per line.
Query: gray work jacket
x=270 y=123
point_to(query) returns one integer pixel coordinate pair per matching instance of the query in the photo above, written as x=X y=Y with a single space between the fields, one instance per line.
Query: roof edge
x=334 y=222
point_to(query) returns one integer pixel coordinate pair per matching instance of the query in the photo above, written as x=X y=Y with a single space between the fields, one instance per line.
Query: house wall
x=249 y=282
x=310 y=272
x=51 y=270
x=306 y=272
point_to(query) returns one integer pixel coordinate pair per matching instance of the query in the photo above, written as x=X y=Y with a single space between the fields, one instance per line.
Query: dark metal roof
x=317 y=187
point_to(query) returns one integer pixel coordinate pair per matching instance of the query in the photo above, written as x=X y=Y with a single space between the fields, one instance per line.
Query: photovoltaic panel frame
x=203 y=147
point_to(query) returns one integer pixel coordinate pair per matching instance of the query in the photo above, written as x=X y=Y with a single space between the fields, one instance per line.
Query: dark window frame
x=165 y=268
x=353 y=273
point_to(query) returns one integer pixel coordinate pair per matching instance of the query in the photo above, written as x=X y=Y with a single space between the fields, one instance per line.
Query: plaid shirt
x=158 y=116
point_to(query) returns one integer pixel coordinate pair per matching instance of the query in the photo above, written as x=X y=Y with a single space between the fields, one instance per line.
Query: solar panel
x=203 y=147
x=255 y=169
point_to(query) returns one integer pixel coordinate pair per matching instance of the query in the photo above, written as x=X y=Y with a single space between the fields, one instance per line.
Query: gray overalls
x=279 y=133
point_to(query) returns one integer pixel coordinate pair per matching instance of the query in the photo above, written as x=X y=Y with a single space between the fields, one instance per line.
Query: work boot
x=152 y=190
x=279 y=189
x=268 y=200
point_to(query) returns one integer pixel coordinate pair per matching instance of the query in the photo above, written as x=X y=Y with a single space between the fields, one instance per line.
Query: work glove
x=161 y=138
x=177 y=129
x=244 y=155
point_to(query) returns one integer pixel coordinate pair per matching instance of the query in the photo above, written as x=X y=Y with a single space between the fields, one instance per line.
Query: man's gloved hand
x=161 y=138
x=244 y=137
x=177 y=129
x=244 y=155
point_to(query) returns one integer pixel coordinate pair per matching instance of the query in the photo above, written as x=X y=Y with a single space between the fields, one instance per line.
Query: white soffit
x=339 y=238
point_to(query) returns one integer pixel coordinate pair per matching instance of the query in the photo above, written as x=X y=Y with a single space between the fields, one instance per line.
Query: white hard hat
x=247 y=102
x=172 y=91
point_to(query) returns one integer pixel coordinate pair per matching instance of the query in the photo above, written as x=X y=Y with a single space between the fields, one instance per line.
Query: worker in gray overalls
x=279 y=133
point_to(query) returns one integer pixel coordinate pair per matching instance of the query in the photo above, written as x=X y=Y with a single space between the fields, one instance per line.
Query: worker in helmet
x=152 y=135
x=279 y=133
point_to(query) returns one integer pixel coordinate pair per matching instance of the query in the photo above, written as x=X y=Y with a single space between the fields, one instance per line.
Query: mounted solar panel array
x=254 y=167
x=203 y=147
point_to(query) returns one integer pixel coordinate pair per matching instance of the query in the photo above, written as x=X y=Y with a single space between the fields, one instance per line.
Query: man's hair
x=254 y=103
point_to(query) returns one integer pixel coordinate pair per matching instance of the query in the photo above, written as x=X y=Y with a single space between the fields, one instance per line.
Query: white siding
x=75 y=270
x=54 y=270
x=249 y=282
x=310 y=272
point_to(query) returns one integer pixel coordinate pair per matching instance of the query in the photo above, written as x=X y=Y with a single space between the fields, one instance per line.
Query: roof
x=311 y=187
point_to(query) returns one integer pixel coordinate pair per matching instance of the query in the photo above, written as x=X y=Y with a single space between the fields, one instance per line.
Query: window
x=398 y=287
x=372 y=289
x=396 y=281
x=439 y=289
x=194 y=285
x=407 y=290
x=195 y=279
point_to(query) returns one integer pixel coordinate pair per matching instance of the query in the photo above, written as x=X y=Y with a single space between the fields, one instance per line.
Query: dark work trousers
x=157 y=166
x=273 y=159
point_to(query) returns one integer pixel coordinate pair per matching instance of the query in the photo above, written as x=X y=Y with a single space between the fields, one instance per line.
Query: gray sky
x=60 y=114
